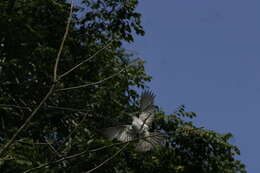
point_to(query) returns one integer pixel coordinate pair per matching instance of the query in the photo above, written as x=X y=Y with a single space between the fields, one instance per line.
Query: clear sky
x=206 y=54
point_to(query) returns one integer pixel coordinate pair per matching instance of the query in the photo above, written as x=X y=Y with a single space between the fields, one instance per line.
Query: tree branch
x=74 y=130
x=6 y=146
x=66 y=109
x=110 y=158
x=62 y=43
x=86 y=151
x=100 y=81
x=27 y=121
x=57 y=161
x=13 y=106
x=86 y=60
x=46 y=107
x=52 y=148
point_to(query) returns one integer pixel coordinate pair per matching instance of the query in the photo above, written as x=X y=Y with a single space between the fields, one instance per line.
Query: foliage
x=70 y=120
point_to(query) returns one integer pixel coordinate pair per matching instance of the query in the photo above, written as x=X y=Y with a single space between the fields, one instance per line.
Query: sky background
x=205 y=54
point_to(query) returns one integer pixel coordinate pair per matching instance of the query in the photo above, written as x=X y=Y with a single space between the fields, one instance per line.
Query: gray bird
x=139 y=129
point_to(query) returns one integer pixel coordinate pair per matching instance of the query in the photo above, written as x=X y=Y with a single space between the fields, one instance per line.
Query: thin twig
x=74 y=130
x=52 y=148
x=13 y=106
x=86 y=60
x=7 y=158
x=66 y=109
x=23 y=102
x=85 y=152
x=62 y=43
x=6 y=146
x=100 y=81
x=90 y=84
x=31 y=144
x=45 y=107
x=57 y=161
x=110 y=158
x=3 y=122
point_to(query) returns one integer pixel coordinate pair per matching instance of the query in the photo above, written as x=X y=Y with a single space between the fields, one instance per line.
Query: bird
x=138 y=130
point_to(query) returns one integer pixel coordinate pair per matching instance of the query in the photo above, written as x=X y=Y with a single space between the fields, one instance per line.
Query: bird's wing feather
x=147 y=100
x=143 y=146
x=147 y=107
x=121 y=133
x=154 y=139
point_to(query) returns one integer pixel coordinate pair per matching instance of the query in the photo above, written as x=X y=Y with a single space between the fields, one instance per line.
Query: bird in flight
x=139 y=129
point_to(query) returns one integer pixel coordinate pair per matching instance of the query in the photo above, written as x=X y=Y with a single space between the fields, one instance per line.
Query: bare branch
x=6 y=146
x=31 y=144
x=7 y=158
x=27 y=121
x=90 y=84
x=46 y=107
x=86 y=60
x=74 y=130
x=62 y=43
x=85 y=152
x=66 y=108
x=100 y=81
x=52 y=148
x=13 y=106
x=110 y=158
x=57 y=161
x=3 y=122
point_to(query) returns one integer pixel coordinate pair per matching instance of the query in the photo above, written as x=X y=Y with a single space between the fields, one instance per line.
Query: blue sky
x=206 y=54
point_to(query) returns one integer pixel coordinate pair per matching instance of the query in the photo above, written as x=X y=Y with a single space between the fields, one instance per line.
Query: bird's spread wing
x=122 y=133
x=149 y=142
x=147 y=100
x=147 y=107
x=143 y=146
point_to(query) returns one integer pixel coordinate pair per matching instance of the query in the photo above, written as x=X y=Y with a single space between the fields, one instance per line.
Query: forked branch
x=100 y=81
x=27 y=121
x=91 y=151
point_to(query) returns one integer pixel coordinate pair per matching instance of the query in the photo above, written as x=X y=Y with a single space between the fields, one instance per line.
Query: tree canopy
x=57 y=91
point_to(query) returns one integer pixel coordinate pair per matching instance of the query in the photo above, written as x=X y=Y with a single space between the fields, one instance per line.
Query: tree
x=61 y=96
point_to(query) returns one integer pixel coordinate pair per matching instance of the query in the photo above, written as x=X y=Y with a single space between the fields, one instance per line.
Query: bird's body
x=139 y=129
x=139 y=125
